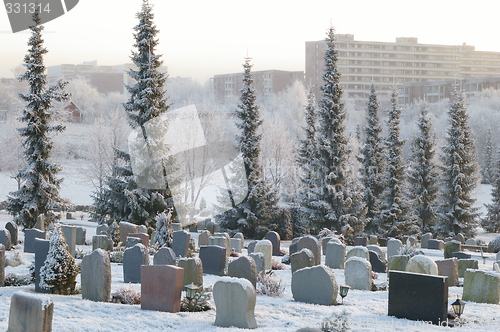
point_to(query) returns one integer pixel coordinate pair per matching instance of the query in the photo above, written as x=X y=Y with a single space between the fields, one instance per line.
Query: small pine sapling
x=58 y=274
x=164 y=231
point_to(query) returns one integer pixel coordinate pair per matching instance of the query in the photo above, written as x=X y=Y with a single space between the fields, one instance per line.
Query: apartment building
x=266 y=82
x=392 y=64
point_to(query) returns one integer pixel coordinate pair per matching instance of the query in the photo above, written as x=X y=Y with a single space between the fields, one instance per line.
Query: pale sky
x=201 y=38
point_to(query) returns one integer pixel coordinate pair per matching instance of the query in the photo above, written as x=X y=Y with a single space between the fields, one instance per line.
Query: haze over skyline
x=200 y=39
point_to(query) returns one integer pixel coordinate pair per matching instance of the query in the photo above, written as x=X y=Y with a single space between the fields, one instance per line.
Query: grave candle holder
x=344 y=289
x=458 y=307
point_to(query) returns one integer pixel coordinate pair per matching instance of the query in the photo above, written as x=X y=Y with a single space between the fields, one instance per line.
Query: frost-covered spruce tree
x=140 y=196
x=258 y=211
x=337 y=205
x=488 y=169
x=372 y=163
x=59 y=271
x=307 y=161
x=457 y=213
x=39 y=191
x=491 y=222
x=423 y=175
x=396 y=215
x=164 y=232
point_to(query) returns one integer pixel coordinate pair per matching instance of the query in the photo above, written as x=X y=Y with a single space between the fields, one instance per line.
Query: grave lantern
x=344 y=289
x=458 y=307
x=191 y=291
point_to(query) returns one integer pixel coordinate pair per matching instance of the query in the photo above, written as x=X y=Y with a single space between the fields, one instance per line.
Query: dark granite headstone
x=29 y=239
x=435 y=244
x=418 y=296
x=361 y=241
x=450 y=247
x=180 y=243
x=14 y=232
x=81 y=235
x=378 y=265
x=251 y=246
x=382 y=242
x=41 y=248
x=133 y=259
x=164 y=256
x=213 y=259
x=275 y=239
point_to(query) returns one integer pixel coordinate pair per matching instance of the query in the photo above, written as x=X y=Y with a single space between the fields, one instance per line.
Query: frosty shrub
x=269 y=284
x=407 y=249
x=58 y=274
x=277 y=265
x=200 y=302
x=164 y=234
x=13 y=279
x=116 y=256
x=126 y=296
x=337 y=322
x=495 y=244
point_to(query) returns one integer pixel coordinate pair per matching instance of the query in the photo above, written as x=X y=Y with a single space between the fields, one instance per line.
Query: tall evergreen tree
x=457 y=213
x=139 y=194
x=396 y=217
x=423 y=175
x=258 y=211
x=488 y=169
x=39 y=191
x=491 y=222
x=372 y=163
x=336 y=205
x=309 y=170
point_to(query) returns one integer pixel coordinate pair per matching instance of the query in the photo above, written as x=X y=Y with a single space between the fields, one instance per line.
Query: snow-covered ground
x=368 y=310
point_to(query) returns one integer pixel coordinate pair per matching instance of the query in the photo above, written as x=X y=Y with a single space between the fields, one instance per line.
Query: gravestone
x=5 y=239
x=481 y=286
x=316 y=285
x=40 y=223
x=96 y=276
x=464 y=264
x=382 y=242
x=424 y=240
x=30 y=312
x=496 y=267
x=69 y=232
x=144 y=238
x=460 y=238
x=203 y=238
x=258 y=257
x=180 y=243
x=451 y=247
x=236 y=244
x=125 y=228
x=193 y=271
x=335 y=255
x=301 y=259
x=2 y=265
x=358 y=273
x=361 y=241
x=324 y=243
x=251 y=246
x=176 y=226
x=471 y=242
x=373 y=240
x=378 y=250
x=143 y=229
x=29 y=239
x=435 y=244
x=102 y=242
x=164 y=256
x=448 y=268
x=132 y=241
x=422 y=264
x=103 y=228
x=398 y=262
x=266 y=248
x=81 y=235
x=275 y=239
x=311 y=243
x=461 y=255
x=213 y=259
x=239 y=235
x=161 y=287
x=243 y=267
x=393 y=247
x=358 y=251
x=378 y=265
x=14 y=232
x=293 y=246
x=133 y=259
x=497 y=256
x=416 y=296
x=221 y=241
x=41 y=251
x=234 y=300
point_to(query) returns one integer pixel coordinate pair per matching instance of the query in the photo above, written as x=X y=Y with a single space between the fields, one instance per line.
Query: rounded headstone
x=422 y=264
x=358 y=273
x=266 y=248
x=316 y=285
x=335 y=255
x=234 y=300
x=358 y=251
